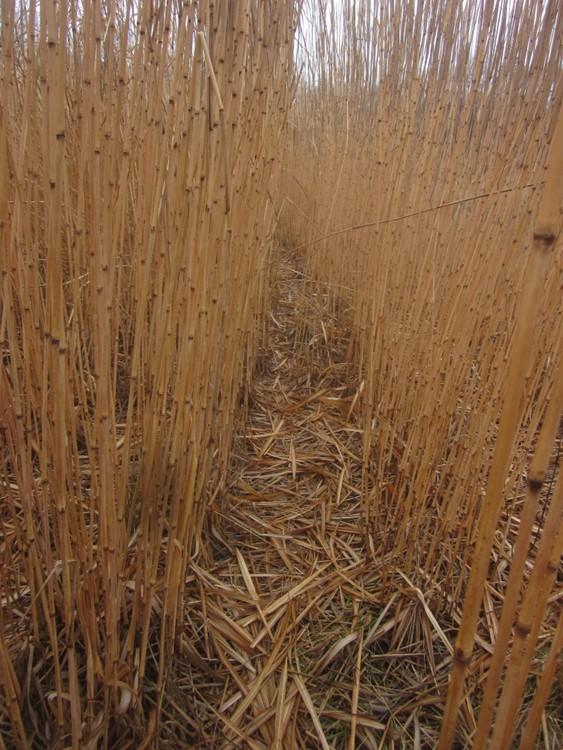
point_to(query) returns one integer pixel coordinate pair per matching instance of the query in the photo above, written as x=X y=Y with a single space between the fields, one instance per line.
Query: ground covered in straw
x=292 y=637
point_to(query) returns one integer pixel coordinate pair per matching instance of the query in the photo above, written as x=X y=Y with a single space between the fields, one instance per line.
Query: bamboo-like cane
x=546 y=680
x=529 y=620
x=536 y=476
x=545 y=235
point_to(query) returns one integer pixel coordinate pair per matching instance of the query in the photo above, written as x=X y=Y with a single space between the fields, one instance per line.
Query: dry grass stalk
x=536 y=478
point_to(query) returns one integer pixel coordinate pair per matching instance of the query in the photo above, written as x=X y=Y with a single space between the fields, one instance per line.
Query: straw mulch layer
x=298 y=635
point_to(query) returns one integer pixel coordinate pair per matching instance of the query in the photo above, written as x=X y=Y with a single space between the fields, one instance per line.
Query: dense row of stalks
x=138 y=172
x=420 y=142
x=141 y=148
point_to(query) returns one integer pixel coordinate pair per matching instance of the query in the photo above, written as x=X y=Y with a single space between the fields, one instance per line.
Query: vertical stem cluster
x=418 y=150
x=139 y=163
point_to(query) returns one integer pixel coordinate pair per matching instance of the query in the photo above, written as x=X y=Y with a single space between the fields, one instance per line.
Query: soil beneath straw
x=291 y=641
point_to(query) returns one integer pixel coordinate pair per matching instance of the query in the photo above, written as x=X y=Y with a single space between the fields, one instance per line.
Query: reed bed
x=138 y=147
x=248 y=495
x=417 y=190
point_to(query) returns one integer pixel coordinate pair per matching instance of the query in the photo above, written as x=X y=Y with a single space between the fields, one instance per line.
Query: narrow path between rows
x=288 y=643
